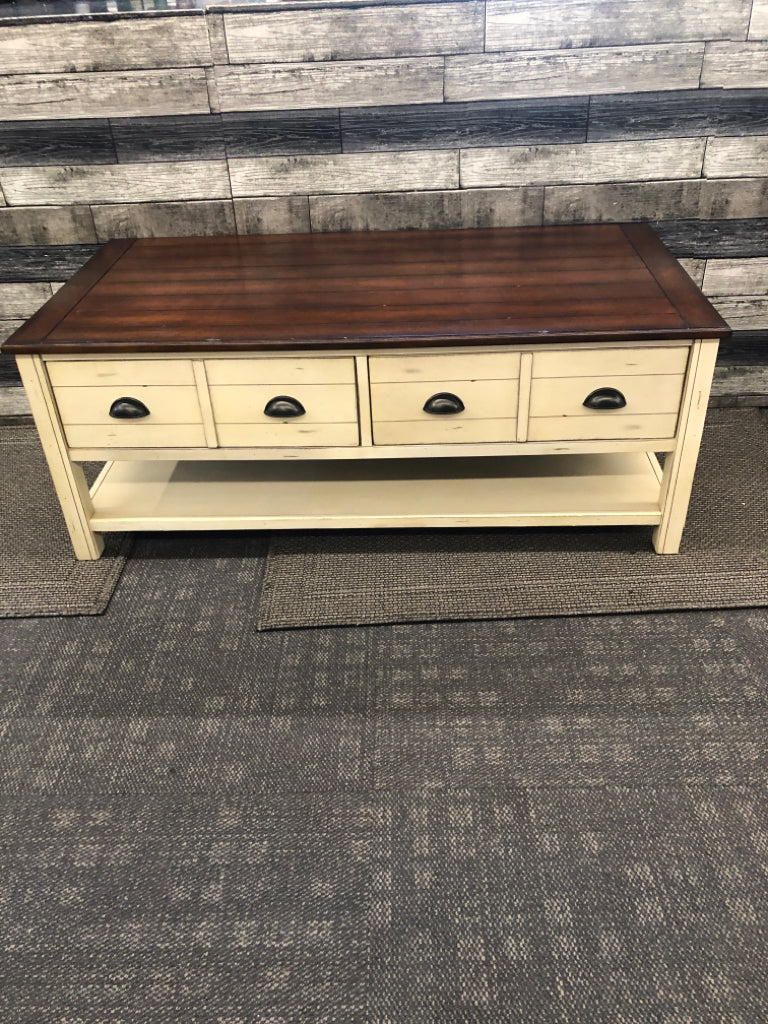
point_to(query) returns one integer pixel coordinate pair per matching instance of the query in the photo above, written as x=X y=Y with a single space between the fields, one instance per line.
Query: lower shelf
x=587 y=490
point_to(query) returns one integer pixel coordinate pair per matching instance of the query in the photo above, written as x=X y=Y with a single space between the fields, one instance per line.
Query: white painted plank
x=116 y=183
x=104 y=94
x=344 y=172
x=575 y=428
x=584 y=162
x=553 y=363
x=573 y=72
x=745 y=157
x=61 y=47
x=121 y=372
x=19 y=301
x=281 y=372
x=736 y=277
x=735 y=66
x=758 y=25
x=377 y=31
x=434 y=367
x=334 y=83
x=562 y=24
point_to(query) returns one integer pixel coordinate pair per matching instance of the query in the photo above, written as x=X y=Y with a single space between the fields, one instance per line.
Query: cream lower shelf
x=588 y=490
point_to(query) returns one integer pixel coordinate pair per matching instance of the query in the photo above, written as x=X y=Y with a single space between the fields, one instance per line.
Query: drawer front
x=173 y=420
x=489 y=414
x=485 y=383
x=329 y=416
x=281 y=372
x=557 y=410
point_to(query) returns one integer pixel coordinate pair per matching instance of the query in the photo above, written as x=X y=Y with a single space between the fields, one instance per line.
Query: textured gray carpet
x=39 y=574
x=349 y=577
x=533 y=821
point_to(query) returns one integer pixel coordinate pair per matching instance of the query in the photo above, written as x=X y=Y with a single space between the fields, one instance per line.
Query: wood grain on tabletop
x=388 y=289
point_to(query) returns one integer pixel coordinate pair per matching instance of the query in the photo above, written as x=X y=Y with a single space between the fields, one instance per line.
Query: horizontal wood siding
x=758 y=25
x=62 y=48
x=737 y=158
x=573 y=72
x=158 y=220
x=563 y=24
x=117 y=183
x=380 y=31
x=104 y=94
x=602 y=161
x=736 y=277
x=354 y=172
x=46 y=225
x=332 y=84
x=735 y=66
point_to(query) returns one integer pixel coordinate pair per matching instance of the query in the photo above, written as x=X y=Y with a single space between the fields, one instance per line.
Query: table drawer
x=400 y=413
x=650 y=409
x=315 y=414
x=172 y=417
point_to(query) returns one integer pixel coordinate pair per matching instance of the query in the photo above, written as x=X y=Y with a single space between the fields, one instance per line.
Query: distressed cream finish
x=208 y=457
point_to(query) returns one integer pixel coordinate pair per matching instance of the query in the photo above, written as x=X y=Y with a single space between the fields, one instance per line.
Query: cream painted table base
x=523 y=452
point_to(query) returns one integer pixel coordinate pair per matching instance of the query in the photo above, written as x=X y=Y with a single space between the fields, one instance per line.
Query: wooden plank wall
x=406 y=114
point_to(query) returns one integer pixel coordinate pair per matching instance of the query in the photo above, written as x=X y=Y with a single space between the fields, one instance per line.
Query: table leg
x=68 y=477
x=680 y=465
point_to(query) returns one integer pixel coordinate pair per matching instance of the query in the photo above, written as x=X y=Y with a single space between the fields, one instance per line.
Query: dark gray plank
x=23 y=143
x=744 y=348
x=718 y=238
x=146 y=139
x=42 y=262
x=679 y=114
x=444 y=125
x=278 y=132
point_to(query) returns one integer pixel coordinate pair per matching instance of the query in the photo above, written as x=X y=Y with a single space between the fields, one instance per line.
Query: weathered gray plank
x=694 y=269
x=281 y=216
x=104 y=94
x=217 y=38
x=758 y=25
x=64 y=47
x=735 y=66
x=41 y=263
x=333 y=84
x=740 y=380
x=737 y=158
x=745 y=312
x=675 y=115
x=643 y=160
x=733 y=198
x=737 y=277
x=744 y=348
x=46 y=225
x=116 y=183
x=351 y=33
x=574 y=72
x=19 y=301
x=7 y=327
x=344 y=172
x=721 y=239
x=617 y=202
x=395 y=211
x=561 y=24
x=163 y=220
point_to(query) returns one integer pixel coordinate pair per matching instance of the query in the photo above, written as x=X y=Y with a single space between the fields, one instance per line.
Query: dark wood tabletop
x=611 y=282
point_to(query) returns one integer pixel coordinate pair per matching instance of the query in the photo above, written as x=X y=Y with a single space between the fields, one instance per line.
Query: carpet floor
x=540 y=821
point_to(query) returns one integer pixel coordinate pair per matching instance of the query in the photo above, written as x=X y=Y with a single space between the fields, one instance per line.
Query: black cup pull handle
x=444 y=404
x=128 y=409
x=284 y=407
x=605 y=398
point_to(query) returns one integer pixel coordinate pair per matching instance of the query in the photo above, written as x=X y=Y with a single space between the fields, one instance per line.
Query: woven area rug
x=354 y=577
x=39 y=575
